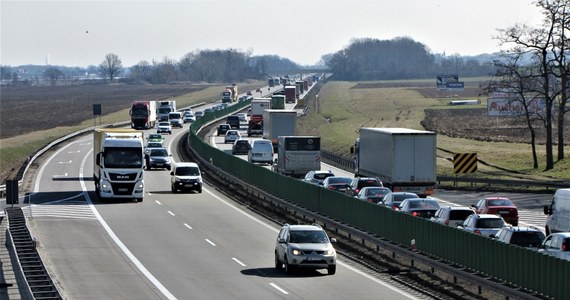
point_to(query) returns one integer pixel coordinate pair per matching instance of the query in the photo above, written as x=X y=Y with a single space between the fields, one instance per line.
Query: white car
x=242 y=117
x=185 y=176
x=164 y=127
x=558 y=245
x=189 y=117
x=261 y=151
x=232 y=136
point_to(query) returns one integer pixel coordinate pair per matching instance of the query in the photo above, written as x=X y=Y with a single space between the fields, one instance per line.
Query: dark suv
x=233 y=121
x=222 y=129
x=359 y=182
x=528 y=237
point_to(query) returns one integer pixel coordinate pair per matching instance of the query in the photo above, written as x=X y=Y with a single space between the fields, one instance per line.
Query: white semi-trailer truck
x=403 y=159
x=118 y=163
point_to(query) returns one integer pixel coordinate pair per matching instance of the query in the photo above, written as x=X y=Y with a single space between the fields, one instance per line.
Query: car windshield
x=375 y=192
x=368 y=182
x=263 y=146
x=500 y=202
x=308 y=236
x=424 y=204
x=401 y=197
x=154 y=145
x=155 y=136
x=460 y=214
x=123 y=157
x=158 y=152
x=339 y=180
x=527 y=238
x=322 y=176
x=163 y=124
x=490 y=223
x=187 y=171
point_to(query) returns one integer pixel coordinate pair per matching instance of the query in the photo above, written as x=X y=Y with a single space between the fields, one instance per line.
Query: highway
x=182 y=246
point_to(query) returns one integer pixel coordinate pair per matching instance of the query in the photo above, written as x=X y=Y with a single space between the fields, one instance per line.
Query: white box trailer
x=404 y=159
x=297 y=155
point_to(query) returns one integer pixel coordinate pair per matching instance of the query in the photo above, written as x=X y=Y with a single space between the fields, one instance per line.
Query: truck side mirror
x=547 y=210
x=351 y=150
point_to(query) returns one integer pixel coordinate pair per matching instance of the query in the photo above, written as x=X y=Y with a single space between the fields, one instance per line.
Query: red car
x=501 y=206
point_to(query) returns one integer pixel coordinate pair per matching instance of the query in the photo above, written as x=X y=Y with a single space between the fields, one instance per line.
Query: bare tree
x=141 y=71
x=111 y=66
x=516 y=82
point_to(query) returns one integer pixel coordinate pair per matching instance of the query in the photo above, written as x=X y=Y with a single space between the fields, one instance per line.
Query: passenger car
x=452 y=215
x=241 y=146
x=222 y=129
x=199 y=114
x=242 y=117
x=557 y=244
x=500 y=206
x=483 y=224
x=164 y=127
x=261 y=151
x=304 y=246
x=337 y=183
x=360 y=182
x=233 y=121
x=152 y=145
x=158 y=158
x=373 y=194
x=155 y=137
x=185 y=176
x=393 y=199
x=232 y=136
x=189 y=117
x=528 y=237
x=419 y=207
x=318 y=176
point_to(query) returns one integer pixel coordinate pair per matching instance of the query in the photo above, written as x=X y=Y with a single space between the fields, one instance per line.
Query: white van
x=261 y=151
x=558 y=212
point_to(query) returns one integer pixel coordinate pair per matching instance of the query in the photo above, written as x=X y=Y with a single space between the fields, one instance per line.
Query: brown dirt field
x=26 y=109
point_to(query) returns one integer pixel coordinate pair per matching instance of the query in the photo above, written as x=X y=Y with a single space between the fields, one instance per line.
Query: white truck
x=164 y=108
x=118 y=166
x=297 y=155
x=403 y=159
x=255 y=124
x=278 y=122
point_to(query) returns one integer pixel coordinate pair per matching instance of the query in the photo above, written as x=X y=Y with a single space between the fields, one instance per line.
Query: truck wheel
x=278 y=264
x=172 y=188
x=139 y=199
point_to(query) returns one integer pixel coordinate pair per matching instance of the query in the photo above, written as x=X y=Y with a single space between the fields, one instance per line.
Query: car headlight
x=329 y=252
x=296 y=252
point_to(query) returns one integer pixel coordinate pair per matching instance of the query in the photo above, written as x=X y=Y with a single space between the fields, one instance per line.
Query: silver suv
x=528 y=237
x=304 y=246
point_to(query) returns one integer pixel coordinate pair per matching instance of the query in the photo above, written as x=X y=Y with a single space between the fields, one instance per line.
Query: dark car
x=392 y=200
x=419 y=207
x=233 y=121
x=373 y=194
x=241 y=146
x=222 y=129
x=337 y=183
x=359 y=182
x=528 y=237
x=498 y=206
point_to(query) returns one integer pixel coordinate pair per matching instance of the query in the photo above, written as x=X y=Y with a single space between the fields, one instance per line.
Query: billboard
x=448 y=82
x=507 y=106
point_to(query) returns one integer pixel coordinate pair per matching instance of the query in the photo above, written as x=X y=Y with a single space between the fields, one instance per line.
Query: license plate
x=188 y=185
x=314 y=258
x=503 y=212
x=160 y=165
x=123 y=190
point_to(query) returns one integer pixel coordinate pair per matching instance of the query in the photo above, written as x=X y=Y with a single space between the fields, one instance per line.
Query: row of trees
x=399 y=58
x=204 y=65
x=544 y=82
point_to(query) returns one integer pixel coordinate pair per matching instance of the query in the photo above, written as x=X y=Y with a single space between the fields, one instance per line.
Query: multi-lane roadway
x=180 y=246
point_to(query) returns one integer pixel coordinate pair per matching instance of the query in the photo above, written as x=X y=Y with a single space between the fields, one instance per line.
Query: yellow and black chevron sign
x=465 y=163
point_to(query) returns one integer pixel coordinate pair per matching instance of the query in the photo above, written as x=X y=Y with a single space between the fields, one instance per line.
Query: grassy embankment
x=15 y=150
x=344 y=109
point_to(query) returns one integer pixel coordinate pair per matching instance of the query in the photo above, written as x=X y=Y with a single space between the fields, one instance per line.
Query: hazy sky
x=82 y=32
